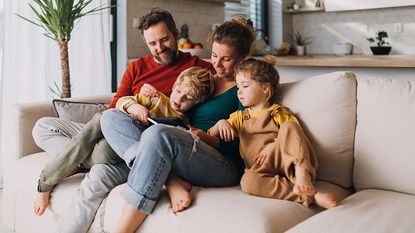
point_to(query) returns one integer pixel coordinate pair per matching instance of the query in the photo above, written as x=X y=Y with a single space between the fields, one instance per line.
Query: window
x=256 y=10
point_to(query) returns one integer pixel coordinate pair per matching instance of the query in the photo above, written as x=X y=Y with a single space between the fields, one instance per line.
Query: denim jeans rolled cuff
x=137 y=200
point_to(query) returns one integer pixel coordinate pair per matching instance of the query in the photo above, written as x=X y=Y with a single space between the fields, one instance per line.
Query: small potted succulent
x=382 y=46
x=300 y=42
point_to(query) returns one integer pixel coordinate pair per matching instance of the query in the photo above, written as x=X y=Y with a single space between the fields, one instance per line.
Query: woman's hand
x=148 y=90
x=265 y=152
x=138 y=112
x=226 y=131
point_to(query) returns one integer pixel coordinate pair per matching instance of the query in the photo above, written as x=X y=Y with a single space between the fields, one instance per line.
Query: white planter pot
x=300 y=50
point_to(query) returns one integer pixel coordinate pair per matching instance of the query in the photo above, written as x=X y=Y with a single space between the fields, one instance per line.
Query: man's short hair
x=155 y=16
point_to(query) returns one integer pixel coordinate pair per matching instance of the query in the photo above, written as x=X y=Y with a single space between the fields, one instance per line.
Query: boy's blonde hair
x=262 y=70
x=197 y=82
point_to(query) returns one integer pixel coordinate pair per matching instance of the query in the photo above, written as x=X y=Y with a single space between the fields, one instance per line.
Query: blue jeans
x=159 y=150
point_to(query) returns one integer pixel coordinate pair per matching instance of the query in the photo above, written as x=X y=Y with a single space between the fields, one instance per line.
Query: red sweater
x=162 y=77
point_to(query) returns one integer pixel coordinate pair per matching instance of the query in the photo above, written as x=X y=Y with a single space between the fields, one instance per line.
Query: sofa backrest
x=326 y=106
x=385 y=135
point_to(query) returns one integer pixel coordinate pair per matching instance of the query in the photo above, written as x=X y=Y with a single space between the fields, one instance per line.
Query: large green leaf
x=58 y=17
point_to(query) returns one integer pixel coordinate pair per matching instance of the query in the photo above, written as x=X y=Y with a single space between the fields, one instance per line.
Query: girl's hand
x=226 y=132
x=138 y=112
x=267 y=151
x=148 y=90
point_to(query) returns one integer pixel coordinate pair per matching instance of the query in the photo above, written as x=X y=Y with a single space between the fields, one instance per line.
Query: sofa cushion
x=365 y=211
x=80 y=112
x=326 y=106
x=385 y=133
x=228 y=210
x=26 y=175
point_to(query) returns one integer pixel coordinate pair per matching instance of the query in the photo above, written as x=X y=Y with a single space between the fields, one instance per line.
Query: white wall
x=327 y=28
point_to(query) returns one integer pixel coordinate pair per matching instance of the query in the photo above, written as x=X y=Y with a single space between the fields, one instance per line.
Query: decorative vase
x=300 y=50
x=381 y=50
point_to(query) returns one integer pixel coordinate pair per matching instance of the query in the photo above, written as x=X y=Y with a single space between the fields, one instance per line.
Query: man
x=160 y=69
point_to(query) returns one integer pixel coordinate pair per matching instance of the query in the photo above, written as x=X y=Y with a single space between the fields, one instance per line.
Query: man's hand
x=148 y=90
x=138 y=112
x=265 y=152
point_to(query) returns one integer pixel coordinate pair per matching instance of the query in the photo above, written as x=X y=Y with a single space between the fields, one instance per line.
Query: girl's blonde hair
x=262 y=70
x=197 y=82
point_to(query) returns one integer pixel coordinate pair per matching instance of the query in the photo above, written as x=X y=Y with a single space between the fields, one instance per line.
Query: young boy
x=193 y=86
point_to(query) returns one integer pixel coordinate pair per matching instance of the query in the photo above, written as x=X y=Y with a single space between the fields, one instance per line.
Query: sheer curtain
x=31 y=61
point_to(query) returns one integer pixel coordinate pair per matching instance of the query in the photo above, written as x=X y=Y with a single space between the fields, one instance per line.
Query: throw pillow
x=80 y=112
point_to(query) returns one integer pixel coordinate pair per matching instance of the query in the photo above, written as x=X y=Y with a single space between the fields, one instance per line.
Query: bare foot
x=41 y=203
x=303 y=184
x=325 y=200
x=178 y=190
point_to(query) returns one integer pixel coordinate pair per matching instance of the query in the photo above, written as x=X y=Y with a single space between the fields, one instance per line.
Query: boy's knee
x=43 y=127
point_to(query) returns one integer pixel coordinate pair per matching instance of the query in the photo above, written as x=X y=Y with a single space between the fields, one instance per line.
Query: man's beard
x=171 y=56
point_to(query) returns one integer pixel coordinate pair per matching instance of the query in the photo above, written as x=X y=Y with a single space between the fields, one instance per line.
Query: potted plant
x=57 y=18
x=382 y=46
x=300 y=42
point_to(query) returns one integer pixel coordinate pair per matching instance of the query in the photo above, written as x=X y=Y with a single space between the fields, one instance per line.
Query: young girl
x=279 y=160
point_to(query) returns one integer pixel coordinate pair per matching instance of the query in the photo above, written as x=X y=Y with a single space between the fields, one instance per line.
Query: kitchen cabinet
x=336 y=5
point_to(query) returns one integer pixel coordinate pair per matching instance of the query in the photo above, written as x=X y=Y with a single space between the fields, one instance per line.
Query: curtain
x=31 y=61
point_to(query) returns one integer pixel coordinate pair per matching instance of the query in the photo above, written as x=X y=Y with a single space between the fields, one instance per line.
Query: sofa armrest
x=18 y=124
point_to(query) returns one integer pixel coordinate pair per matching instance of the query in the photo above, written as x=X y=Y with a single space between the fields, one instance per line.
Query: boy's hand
x=148 y=90
x=226 y=132
x=138 y=112
x=267 y=151
x=210 y=140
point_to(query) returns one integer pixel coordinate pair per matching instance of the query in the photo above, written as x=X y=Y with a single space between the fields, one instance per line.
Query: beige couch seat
x=363 y=134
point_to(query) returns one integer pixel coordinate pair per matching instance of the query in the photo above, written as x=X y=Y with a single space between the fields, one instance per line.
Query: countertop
x=393 y=61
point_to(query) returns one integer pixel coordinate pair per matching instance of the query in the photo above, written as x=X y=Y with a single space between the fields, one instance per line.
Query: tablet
x=174 y=121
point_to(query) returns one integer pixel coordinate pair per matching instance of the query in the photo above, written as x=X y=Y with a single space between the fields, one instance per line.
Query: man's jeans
x=159 y=150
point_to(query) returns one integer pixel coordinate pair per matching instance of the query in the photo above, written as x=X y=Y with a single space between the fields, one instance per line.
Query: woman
x=173 y=156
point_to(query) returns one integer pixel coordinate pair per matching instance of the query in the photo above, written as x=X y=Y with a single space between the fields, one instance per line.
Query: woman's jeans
x=159 y=150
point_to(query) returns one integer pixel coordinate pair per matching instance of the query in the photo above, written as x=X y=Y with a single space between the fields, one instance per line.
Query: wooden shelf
x=390 y=61
x=220 y=1
x=304 y=10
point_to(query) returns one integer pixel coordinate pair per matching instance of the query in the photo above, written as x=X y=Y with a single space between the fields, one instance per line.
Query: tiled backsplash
x=199 y=16
x=328 y=28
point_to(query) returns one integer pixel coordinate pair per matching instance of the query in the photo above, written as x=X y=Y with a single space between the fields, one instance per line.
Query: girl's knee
x=248 y=183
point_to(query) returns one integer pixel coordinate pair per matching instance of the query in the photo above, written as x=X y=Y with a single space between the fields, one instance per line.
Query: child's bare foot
x=325 y=200
x=303 y=184
x=41 y=203
x=178 y=190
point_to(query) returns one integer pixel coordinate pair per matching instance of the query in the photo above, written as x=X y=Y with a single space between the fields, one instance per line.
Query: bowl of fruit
x=186 y=45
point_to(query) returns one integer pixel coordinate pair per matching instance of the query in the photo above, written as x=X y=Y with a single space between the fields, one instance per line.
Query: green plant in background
x=299 y=39
x=57 y=18
x=379 y=39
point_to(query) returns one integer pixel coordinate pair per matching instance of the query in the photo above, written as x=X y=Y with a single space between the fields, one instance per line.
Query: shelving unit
x=304 y=10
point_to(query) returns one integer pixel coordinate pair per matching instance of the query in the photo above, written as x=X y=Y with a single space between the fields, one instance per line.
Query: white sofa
x=363 y=131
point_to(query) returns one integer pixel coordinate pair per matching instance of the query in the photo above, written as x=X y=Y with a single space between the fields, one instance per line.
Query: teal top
x=205 y=115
